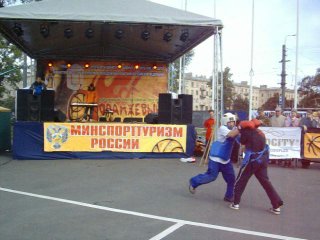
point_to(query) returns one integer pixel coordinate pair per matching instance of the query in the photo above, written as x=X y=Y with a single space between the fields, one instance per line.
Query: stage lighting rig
x=184 y=36
x=119 y=34
x=145 y=35
x=89 y=33
x=167 y=36
x=68 y=33
x=44 y=30
x=17 y=29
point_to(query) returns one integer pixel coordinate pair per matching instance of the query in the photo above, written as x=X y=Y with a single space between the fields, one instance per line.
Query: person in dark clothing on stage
x=255 y=162
x=38 y=87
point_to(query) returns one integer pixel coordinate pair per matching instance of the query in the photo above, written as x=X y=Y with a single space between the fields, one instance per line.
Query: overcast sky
x=273 y=21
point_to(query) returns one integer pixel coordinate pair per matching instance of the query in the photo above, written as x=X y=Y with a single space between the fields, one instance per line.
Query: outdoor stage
x=29 y=141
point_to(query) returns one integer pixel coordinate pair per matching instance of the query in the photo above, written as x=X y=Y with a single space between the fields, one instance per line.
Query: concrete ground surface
x=140 y=199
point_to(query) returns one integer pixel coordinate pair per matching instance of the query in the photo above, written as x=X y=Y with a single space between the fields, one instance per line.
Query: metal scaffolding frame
x=217 y=78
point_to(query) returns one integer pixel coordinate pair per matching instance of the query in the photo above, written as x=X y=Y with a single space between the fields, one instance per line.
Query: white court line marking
x=228 y=229
x=167 y=231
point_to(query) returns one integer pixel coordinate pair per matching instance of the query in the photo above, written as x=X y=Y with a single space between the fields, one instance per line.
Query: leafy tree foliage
x=310 y=89
x=5 y=3
x=228 y=97
x=10 y=64
x=271 y=103
x=227 y=88
x=174 y=78
x=241 y=104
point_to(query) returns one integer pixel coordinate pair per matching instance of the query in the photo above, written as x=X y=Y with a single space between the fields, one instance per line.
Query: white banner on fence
x=284 y=142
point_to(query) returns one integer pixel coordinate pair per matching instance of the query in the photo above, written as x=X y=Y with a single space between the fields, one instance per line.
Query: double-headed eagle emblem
x=57 y=135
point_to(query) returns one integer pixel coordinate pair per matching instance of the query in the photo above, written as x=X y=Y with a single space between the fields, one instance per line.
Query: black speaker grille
x=187 y=108
x=35 y=108
x=164 y=108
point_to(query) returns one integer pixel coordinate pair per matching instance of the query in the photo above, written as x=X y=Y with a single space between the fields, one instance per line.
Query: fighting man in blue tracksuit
x=219 y=156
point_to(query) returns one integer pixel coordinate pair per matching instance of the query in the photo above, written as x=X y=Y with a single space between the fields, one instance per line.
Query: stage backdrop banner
x=96 y=137
x=130 y=90
x=284 y=142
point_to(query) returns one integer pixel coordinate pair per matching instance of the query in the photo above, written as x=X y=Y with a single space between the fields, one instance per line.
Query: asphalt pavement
x=140 y=199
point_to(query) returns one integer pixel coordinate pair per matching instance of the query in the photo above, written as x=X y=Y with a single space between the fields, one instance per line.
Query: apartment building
x=200 y=88
x=243 y=89
x=260 y=94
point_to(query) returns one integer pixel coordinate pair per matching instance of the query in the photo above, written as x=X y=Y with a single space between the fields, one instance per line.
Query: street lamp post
x=283 y=72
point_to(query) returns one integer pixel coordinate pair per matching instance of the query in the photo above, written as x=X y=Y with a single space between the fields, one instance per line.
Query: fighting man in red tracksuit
x=255 y=162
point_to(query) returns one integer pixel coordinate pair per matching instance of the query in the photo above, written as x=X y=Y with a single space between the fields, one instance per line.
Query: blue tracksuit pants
x=212 y=173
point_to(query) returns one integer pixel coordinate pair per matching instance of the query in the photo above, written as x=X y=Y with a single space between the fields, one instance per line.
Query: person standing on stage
x=90 y=98
x=219 y=158
x=38 y=87
x=255 y=162
x=209 y=125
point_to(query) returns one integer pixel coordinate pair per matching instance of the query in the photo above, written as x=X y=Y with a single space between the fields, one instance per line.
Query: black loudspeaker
x=102 y=119
x=22 y=109
x=132 y=120
x=34 y=108
x=186 y=108
x=151 y=118
x=164 y=108
x=176 y=111
x=59 y=116
x=47 y=106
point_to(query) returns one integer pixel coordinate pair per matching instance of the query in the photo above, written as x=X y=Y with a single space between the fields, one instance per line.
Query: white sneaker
x=191 y=159
x=234 y=206
x=275 y=211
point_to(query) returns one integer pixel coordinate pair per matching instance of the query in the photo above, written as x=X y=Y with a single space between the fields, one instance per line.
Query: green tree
x=228 y=98
x=227 y=88
x=10 y=64
x=175 y=70
x=240 y=104
x=310 y=90
x=271 y=103
x=4 y=3
x=10 y=73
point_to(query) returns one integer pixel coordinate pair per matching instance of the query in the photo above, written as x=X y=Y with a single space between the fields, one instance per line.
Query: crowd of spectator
x=294 y=119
